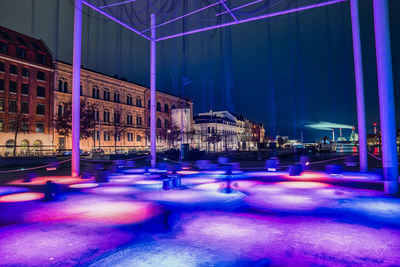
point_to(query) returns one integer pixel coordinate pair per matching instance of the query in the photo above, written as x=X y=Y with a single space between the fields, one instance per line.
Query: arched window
x=158 y=123
x=138 y=138
x=116 y=97
x=10 y=143
x=138 y=102
x=24 y=146
x=65 y=87
x=24 y=143
x=158 y=106
x=129 y=100
x=60 y=109
x=166 y=108
x=37 y=143
x=106 y=95
x=166 y=124
x=60 y=86
x=116 y=117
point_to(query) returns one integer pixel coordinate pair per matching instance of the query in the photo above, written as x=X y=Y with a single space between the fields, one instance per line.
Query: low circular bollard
x=167 y=184
x=177 y=182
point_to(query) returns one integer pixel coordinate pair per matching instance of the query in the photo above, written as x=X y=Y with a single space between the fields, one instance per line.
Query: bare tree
x=118 y=127
x=63 y=120
x=20 y=124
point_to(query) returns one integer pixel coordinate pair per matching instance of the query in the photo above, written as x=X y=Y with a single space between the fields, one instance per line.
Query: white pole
x=153 y=148
x=76 y=77
x=386 y=96
x=362 y=131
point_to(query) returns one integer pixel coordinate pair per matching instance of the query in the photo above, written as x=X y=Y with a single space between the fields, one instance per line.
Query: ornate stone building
x=121 y=112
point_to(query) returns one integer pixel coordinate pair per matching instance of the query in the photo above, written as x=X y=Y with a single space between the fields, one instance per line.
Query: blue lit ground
x=270 y=219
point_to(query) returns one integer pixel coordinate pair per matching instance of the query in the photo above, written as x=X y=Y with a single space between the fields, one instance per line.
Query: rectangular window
x=1 y=66
x=1 y=104
x=116 y=97
x=11 y=126
x=13 y=69
x=1 y=85
x=40 y=127
x=12 y=106
x=128 y=100
x=138 y=102
x=97 y=135
x=25 y=89
x=3 y=47
x=139 y=120
x=106 y=95
x=25 y=72
x=40 y=109
x=25 y=107
x=40 y=58
x=106 y=116
x=41 y=91
x=20 y=52
x=25 y=127
x=60 y=109
x=107 y=136
x=1 y=126
x=13 y=87
x=41 y=76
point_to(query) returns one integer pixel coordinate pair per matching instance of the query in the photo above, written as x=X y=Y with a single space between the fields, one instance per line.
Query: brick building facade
x=26 y=87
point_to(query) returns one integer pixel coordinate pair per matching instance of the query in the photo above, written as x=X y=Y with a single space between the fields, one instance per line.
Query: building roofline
x=120 y=80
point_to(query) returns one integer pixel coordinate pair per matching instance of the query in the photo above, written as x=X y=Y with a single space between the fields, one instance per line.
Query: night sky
x=306 y=59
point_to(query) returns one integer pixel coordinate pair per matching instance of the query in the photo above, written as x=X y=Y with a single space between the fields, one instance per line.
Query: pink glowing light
x=43 y=179
x=95 y=209
x=302 y=185
x=147 y=182
x=245 y=184
x=21 y=197
x=187 y=172
x=308 y=176
x=83 y=185
x=113 y=190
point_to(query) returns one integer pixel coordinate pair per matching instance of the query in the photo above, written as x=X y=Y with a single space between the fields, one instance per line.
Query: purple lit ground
x=267 y=219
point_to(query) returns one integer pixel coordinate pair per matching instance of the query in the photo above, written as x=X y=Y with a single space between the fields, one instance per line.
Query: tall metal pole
x=358 y=70
x=153 y=91
x=76 y=77
x=386 y=96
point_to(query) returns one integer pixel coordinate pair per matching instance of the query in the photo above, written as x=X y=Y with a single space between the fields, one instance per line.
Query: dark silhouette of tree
x=119 y=130
x=63 y=120
x=19 y=124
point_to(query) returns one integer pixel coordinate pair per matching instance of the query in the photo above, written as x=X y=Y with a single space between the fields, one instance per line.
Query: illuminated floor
x=131 y=221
